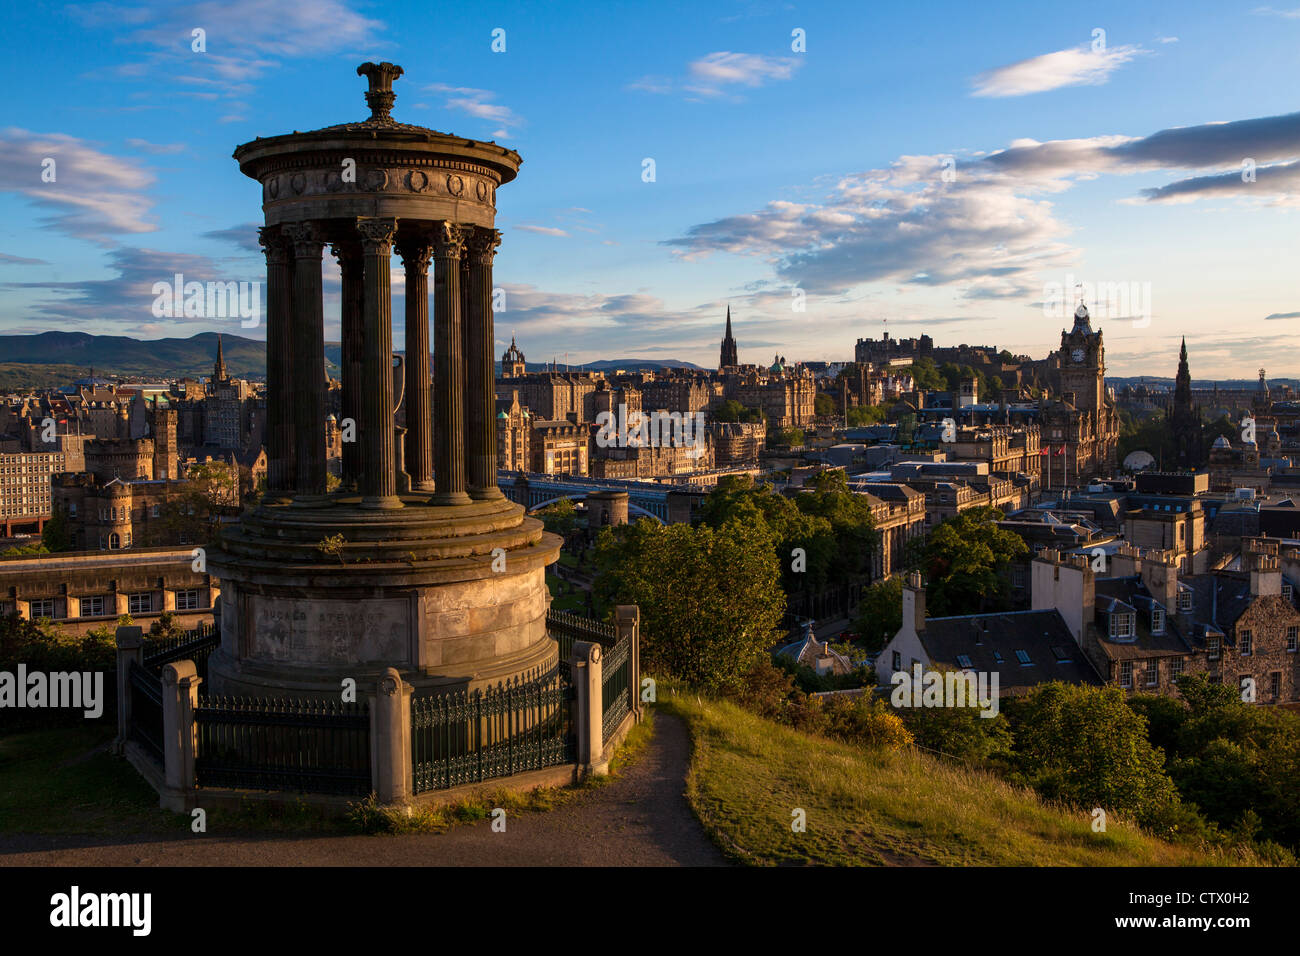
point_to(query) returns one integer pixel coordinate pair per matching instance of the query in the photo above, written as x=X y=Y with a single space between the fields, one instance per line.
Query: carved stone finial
x=380 y=97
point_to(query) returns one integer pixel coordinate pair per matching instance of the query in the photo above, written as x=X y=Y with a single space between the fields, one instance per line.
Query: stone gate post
x=180 y=694
x=130 y=647
x=585 y=665
x=391 y=772
x=627 y=622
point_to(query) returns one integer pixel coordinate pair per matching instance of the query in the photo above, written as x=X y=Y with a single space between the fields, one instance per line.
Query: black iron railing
x=146 y=727
x=567 y=628
x=467 y=737
x=304 y=745
x=616 y=692
x=195 y=645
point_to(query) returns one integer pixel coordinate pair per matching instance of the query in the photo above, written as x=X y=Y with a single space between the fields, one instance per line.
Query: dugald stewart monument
x=416 y=560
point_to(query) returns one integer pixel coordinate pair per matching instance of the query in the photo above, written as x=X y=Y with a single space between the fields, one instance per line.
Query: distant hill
x=179 y=358
x=122 y=355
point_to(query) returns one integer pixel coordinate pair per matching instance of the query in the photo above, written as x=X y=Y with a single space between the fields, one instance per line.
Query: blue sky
x=938 y=168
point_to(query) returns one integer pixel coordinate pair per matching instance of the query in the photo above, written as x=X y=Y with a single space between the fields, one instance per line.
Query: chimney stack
x=914 y=603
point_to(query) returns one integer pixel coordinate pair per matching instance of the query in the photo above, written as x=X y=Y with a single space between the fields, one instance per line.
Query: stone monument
x=416 y=561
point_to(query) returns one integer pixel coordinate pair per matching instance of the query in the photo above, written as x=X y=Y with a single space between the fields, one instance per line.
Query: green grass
x=748 y=774
x=65 y=781
x=565 y=601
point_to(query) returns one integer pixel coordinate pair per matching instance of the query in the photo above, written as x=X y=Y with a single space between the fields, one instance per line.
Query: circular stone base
x=454 y=597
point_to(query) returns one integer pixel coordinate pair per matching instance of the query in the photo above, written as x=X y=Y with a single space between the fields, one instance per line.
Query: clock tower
x=1083 y=363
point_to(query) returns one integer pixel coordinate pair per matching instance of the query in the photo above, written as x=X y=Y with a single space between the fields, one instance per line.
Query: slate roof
x=1131 y=594
x=982 y=638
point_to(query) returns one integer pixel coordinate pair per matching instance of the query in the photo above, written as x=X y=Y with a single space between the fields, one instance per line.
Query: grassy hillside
x=863 y=808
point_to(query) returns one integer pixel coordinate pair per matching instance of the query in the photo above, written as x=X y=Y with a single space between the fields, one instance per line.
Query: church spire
x=727 y=355
x=219 y=370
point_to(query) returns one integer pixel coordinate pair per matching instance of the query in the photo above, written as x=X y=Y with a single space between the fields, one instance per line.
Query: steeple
x=219 y=370
x=727 y=355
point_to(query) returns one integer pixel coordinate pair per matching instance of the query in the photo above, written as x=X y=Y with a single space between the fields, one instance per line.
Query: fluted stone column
x=480 y=393
x=416 y=254
x=378 y=476
x=449 y=366
x=308 y=359
x=352 y=322
x=280 y=452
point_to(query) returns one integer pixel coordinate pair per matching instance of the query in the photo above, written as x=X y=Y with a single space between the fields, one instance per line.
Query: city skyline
x=960 y=168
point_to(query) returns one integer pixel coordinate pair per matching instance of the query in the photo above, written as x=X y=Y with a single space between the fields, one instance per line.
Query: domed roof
x=502 y=415
x=1221 y=442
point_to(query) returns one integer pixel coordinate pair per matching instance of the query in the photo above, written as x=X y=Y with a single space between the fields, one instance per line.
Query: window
x=140 y=603
x=1061 y=654
x=92 y=606
x=114 y=541
x=898 y=658
x=1125 y=673
x=72 y=509
x=189 y=601
x=1157 y=620
x=997 y=656
x=156 y=511
x=44 y=607
x=1292 y=634
x=1152 y=673
x=1176 y=668
x=1023 y=657
x=1244 y=643
x=963 y=660
x=1184 y=602
x=1212 y=648
x=1286 y=590
x=1121 y=624
x=1275 y=684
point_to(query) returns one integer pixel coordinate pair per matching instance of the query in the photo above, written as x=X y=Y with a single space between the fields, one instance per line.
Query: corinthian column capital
x=377 y=235
x=482 y=246
x=416 y=254
x=275 y=245
x=448 y=240
x=306 y=238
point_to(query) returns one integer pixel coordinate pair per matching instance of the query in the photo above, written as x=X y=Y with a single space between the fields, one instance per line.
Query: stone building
x=512 y=362
x=514 y=432
x=1142 y=624
x=1081 y=428
x=83 y=591
x=559 y=447
x=737 y=442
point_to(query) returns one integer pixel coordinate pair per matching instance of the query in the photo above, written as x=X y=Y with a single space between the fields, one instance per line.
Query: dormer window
x=1157 y=620
x=1121 y=625
x=1184 y=602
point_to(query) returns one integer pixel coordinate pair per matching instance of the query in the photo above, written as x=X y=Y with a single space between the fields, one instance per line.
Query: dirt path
x=640 y=819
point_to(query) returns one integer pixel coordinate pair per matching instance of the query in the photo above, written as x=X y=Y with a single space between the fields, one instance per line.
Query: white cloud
x=474 y=102
x=544 y=230
x=93 y=194
x=1078 y=66
x=718 y=74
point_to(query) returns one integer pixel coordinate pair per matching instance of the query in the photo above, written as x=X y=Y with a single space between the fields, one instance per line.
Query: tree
x=925 y=375
x=710 y=599
x=1086 y=747
x=964 y=560
x=880 y=613
x=192 y=514
x=866 y=414
x=560 y=517
x=732 y=411
x=56 y=535
x=823 y=405
x=791 y=437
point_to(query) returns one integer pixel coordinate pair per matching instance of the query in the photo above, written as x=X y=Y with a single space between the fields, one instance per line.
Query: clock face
x=1077 y=355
